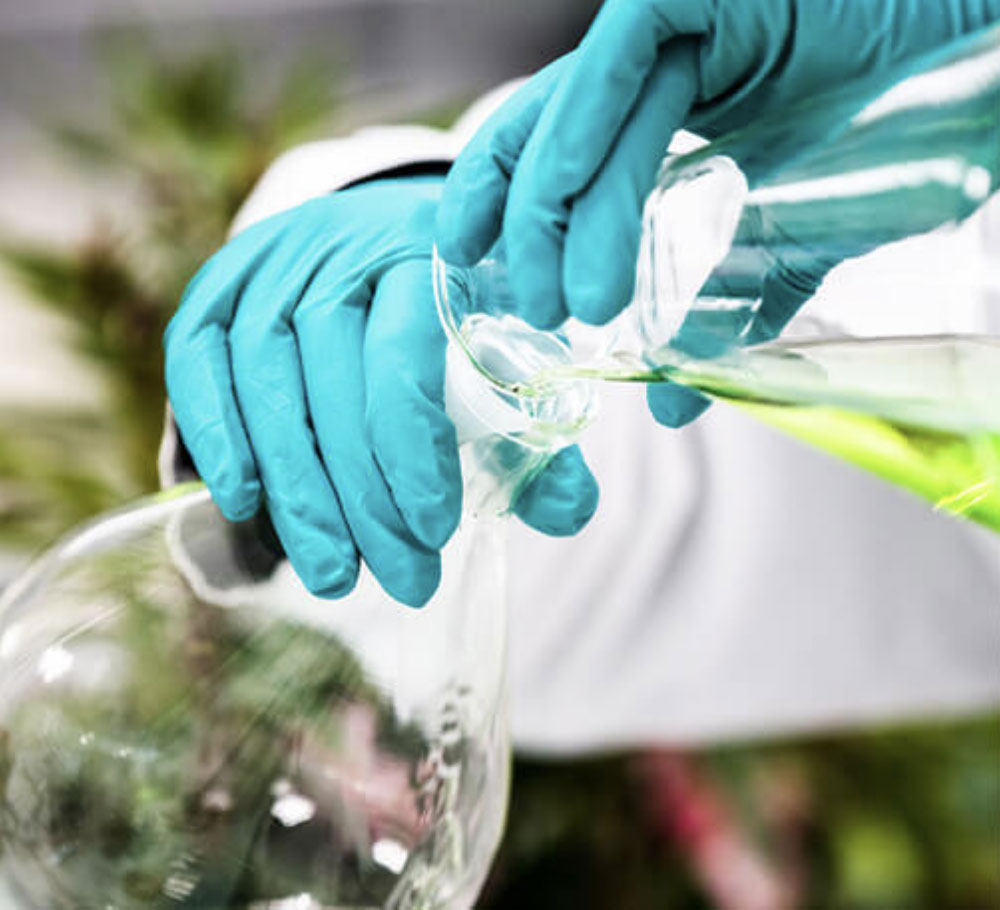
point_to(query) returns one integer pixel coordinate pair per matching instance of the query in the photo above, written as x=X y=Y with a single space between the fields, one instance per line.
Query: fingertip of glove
x=330 y=582
x=674 y=406
x=572 y=522
x=593 y=303
x=416 y=590
x=334 y=591
x=561 y=500
x=237 y=500
x=544 y=322
x=417 y=600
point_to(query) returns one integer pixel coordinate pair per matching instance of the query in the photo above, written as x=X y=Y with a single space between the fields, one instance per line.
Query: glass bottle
x=183 y=725
x=790 y=200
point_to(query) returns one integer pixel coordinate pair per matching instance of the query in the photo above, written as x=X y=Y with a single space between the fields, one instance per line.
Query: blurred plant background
x=192 y=135
x=892 y=820
x=906 y=819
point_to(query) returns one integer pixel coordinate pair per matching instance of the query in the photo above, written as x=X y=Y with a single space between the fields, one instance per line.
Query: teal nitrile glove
x=565 y=165
x=305 y=368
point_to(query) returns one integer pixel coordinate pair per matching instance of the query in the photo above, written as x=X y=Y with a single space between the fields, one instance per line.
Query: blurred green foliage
x=904 y=819
x=57 y=469
x=190 y=136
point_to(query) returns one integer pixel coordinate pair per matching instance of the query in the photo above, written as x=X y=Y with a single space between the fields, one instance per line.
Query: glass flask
x=183 y=726
x=902 y=379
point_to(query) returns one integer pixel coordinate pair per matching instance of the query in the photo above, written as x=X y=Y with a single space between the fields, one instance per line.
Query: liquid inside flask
x=183 y=726
x=791 y=201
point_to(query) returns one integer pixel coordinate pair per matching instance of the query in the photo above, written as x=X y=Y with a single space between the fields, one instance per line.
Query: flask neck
x=508 y=428
x=507 y=435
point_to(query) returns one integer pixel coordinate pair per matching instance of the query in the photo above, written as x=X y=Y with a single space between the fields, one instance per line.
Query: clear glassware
x=909 y=390
x=183 y=725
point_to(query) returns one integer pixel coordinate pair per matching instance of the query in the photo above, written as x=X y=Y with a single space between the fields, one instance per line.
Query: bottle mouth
x=496 y=359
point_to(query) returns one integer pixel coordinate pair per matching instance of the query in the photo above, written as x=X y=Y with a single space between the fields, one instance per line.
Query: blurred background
x=130 y=131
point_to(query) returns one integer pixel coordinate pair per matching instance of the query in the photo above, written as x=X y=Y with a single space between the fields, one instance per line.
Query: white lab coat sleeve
x=317 y=168
x=322 y=167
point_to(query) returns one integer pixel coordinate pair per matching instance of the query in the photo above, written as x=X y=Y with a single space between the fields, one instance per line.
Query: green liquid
x=922 y=413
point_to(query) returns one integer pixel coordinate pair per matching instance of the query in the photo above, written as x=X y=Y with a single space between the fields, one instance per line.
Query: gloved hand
x=566 y=164
x=305 y=368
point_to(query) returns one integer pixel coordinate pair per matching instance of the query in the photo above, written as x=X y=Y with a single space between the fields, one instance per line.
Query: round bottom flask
x=182 y=725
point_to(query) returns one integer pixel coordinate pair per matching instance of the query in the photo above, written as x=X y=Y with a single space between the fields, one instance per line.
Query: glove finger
x=271 y=393
x=562 y=499
x=785 y=290
x=674 y=405
x=414 y=441
x=605 y=222
x=707 y=333
x=199 y=379
x=475 y=193
x=574 y=135
x=330 y=326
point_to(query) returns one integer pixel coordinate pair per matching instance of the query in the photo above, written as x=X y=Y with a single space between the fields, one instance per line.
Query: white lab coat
x=734 y=583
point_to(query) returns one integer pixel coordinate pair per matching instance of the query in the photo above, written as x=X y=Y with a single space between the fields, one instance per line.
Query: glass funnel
x=880 y=195
x=183 y=726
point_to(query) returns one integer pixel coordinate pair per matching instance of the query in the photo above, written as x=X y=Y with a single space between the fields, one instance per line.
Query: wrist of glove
x=305 y=369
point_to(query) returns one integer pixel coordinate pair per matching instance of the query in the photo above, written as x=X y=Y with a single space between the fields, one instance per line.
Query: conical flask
x=908 y=390
x=182 y=725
